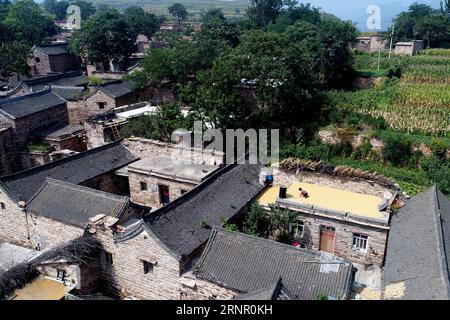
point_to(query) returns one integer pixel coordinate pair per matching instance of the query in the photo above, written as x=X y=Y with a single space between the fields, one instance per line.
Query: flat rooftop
x=40 y=289
x=329 y=199
x=171 y=168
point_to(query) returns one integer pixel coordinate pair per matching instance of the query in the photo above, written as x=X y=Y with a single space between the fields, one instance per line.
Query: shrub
x=438 y=147
x=438 y=171
x=363 y=151
x=397 y=149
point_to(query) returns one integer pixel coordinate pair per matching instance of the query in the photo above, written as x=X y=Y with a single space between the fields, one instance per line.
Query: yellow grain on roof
x=40 y=289
x=328 y=198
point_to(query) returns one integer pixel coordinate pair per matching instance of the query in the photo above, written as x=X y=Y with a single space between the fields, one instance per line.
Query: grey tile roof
x=29 y=104
x=61 y=131
x=73 y=204
x=68 y=79
x=75 y=169
x=246 y=263
x=418 y=248
x=53 y=49
x=116 y=89
x=276 y=291
x=221 y=196
x=68 y=93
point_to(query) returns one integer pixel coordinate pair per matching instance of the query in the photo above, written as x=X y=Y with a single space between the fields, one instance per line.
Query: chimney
x=283 y=191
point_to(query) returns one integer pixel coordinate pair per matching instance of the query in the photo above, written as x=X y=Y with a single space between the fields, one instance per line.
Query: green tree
x=434 y=30
x=445 y=7
x=305 y=13
x=178 y=11
x=4 y=7
x=263 y=12
x=141 y=22
x=160 y=125
x=105 y=37
x=406 y=21
x=438 y=171
x=257 y=222
x=28 y=23
x=56 y=8
x=216 y=27
x=13 y=58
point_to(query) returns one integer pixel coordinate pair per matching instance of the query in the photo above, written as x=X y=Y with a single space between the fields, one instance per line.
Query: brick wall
x=198 y=289
x=151 y=196
x=13 y=222
x=42 y=63
x=344 y=231
x=126 y=277
x=25 y=127
x=39 y=63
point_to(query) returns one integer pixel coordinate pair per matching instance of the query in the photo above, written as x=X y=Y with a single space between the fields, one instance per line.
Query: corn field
x=419 y=102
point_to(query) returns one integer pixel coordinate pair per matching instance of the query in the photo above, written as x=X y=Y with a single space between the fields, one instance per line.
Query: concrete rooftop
x=170 y=168
x=328 y=198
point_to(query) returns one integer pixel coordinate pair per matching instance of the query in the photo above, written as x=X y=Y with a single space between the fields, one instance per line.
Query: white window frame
x=358 y=239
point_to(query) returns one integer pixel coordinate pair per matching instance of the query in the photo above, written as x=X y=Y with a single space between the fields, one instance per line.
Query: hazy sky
x=355 y=10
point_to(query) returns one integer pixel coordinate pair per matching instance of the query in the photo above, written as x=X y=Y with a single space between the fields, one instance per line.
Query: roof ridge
x=63 y=160
x=51 y=77
x=24 y=97
x=85 y=189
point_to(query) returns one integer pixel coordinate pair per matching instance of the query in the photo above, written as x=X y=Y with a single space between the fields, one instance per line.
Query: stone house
x=25 y=195
x=350 y=225
x=418 y=250
x=370 y=43
x=54 y=58
x=252 y=268
x=32 y=112
x=155 y=181
x=105 y=97
x=409 y=48
x=146 y=258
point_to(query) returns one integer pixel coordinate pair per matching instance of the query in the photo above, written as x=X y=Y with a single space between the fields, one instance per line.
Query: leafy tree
x=288 y=17
x=434 y=30
x=257 y=222
x=4 y=7
x=28 y=23
x=13 y=58
x=263 y=12
x=106 y=37
x=406 y=21
x=159 y=126
x=438 y=170
x=141 y=22
x=397 y=149
x=178 y=11
x=445 y=7
x=216 y=27
x=56 y=8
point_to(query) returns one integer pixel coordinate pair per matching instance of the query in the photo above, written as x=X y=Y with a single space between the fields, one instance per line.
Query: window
x=183 y=191
x=298 y=229
x=37 y=59
x=2 y=206
x=148 y=266
x=360 y=242
x=144 y=186
x=108 y=257
x=60 y=274
x=101 y=105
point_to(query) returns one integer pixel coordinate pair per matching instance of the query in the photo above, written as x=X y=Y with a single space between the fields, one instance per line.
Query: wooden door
x=327 y=237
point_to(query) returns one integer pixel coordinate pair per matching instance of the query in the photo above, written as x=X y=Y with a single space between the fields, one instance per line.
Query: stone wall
x=125 y=277
x=31 y=230
x=344 y=231
x=193 y=288
x=151 y=196
x=95 y=134
x=42 y=64
x=108 y=182
x=144 y=148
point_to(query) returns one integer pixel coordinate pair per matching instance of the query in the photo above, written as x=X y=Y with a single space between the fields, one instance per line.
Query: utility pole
x=379 y=57
x=392 y=39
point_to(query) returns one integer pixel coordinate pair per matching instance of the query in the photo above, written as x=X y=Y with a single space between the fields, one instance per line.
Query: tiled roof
x=68 y=93
x=116 y=89
x=276 y=291
x=61 y=131
x=220 y=197
x=68 y=79
x=418 y=249
x=22 y=106
x=73 y=204
x=247 y=264
x=75 y=169
x=53 y=49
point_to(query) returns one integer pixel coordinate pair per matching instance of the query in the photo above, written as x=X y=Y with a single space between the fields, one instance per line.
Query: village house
x=54 y=58
x=348 y=224
x=372 y=43
x=30 y=113
x=418 y=251
x=255 y=268
x=155 y=181
x=146 y=258
x=410 y=48
x=53 y=203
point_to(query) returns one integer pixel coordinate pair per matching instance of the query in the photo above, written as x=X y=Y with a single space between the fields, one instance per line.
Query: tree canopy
x=263 y=12
x=178 y=11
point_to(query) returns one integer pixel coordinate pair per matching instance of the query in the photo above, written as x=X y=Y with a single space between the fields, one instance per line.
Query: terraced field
x=418 y=102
